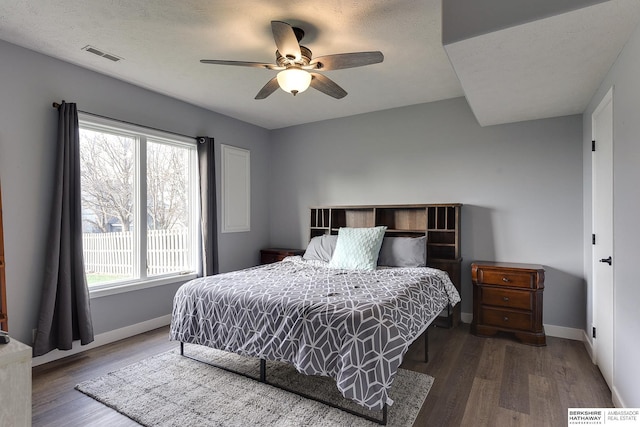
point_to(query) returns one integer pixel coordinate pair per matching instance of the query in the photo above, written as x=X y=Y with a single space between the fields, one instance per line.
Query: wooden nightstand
x=267 y=256
x=508 y=297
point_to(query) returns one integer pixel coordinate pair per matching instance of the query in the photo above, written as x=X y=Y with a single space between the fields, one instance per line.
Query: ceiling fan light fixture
x=298 y=67
x=294 y=80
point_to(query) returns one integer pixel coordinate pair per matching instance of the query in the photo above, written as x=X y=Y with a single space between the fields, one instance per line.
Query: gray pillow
x=321 y=248
x=403 y=252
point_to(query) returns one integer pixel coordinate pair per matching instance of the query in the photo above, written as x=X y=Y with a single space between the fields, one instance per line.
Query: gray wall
x=29 y=83
x=463 y=19
x=521 y=185
x=623 y=77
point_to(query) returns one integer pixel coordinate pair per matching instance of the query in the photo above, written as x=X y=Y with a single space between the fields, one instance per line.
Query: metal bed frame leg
x=263 y=379
x=426 y=346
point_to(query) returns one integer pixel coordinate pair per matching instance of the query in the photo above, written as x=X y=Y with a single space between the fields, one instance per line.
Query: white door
x=603 y=260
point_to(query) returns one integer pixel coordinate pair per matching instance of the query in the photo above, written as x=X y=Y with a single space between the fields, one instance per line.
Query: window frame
x=143 y=135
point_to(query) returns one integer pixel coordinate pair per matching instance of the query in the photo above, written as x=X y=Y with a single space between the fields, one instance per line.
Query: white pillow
x=321 y=248
x=357 y=248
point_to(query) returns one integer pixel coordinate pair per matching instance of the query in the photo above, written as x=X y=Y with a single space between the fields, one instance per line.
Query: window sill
x=136 y=286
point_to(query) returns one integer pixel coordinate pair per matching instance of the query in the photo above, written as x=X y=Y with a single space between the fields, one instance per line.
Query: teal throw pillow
x=357 y=248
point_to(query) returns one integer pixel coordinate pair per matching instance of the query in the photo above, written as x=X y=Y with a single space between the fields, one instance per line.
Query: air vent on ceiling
x=99 y=52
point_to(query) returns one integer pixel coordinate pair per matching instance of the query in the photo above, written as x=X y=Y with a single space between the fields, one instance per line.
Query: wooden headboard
x=439 y=222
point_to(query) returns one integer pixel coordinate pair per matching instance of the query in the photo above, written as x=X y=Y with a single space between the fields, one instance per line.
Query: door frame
x=606 y=100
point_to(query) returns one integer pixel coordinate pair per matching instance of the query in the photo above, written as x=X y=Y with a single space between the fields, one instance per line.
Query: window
x=139 y=205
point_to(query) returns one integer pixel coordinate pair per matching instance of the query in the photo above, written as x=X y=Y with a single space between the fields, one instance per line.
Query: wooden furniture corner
x=269 y=255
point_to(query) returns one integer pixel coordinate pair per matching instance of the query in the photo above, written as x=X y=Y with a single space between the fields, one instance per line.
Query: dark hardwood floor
x=478 y=381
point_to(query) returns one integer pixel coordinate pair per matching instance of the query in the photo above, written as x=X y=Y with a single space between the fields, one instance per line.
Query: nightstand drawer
x=518 y=279
x=507 y=298
x=507 y=319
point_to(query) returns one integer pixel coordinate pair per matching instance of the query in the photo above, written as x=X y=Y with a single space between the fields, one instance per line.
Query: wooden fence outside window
x=112 y=253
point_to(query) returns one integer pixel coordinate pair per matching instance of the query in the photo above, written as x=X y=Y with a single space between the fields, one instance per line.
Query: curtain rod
x=200 y=139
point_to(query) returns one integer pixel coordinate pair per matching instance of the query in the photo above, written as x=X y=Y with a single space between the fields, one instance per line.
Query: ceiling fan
x=297 y=68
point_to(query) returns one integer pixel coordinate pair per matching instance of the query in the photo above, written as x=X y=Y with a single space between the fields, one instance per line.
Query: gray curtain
x=65 y=314
x=208 y=209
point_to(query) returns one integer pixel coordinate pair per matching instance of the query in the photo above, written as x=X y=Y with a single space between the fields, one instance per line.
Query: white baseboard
x=617 y=399
x=104 y=338
x=588 y=345
x=564 y=332
x=466 y=317
x=615 y=396
x=550 y=330
x=158 y=322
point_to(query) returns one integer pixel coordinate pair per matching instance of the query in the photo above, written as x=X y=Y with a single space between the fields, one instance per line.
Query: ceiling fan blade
x=327 y=86
x=286 y=40
x=346 y=60
x=271 y=86
x=242 y=64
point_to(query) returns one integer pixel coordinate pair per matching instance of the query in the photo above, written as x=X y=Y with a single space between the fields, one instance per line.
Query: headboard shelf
x=439 y=222
x=405 y=230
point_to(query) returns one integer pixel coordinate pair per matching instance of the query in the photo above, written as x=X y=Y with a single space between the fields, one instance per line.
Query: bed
x=320 y=313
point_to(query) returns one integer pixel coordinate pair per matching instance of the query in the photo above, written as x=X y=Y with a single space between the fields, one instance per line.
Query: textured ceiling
x=162 y=41
x=546 y=68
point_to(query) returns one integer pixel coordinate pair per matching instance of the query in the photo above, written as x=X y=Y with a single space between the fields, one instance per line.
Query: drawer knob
x=505 y=298
x=505 y=318
x=505 y=280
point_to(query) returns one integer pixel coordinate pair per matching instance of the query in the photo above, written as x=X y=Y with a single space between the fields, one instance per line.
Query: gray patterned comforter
x=354 y=326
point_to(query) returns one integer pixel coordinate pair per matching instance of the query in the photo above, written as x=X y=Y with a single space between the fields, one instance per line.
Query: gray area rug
x=172 y=390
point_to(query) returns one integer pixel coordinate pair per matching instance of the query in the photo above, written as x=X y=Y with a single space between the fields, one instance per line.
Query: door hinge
x=593 y=239
x=593 y=145
x=593 y=332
